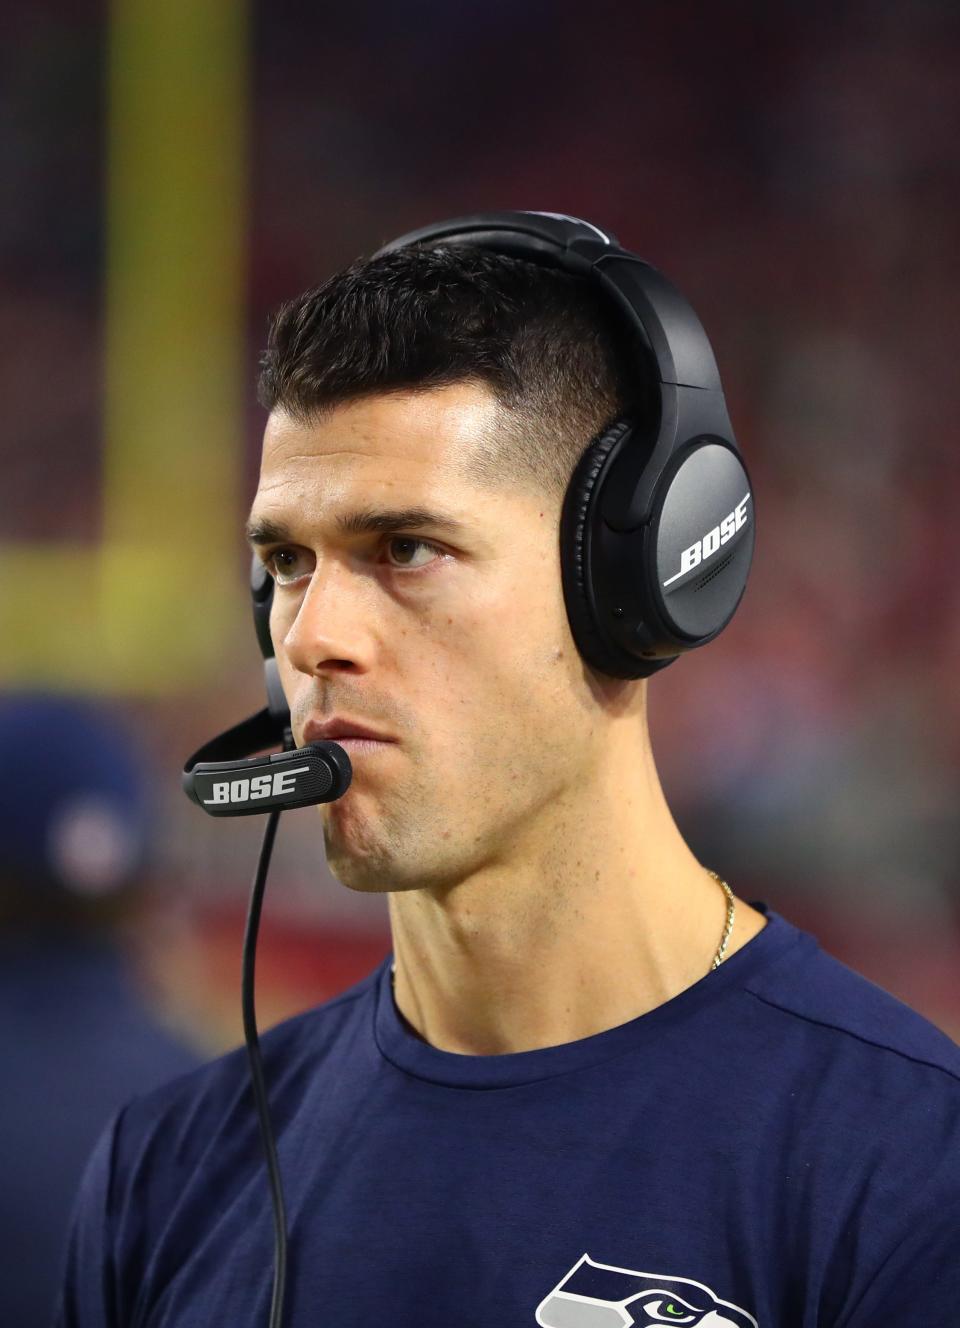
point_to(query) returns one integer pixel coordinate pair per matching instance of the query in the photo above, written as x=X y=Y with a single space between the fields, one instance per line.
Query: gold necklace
x=728 y=926
x=717 y=958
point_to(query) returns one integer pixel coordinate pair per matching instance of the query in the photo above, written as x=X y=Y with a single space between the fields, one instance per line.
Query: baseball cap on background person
x=78 y=1037
x=75 y=825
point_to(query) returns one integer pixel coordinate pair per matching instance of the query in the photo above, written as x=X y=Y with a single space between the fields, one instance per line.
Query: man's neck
x=595 y=923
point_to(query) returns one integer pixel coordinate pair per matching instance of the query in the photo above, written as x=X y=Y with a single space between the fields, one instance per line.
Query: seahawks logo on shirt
x=597 y=1295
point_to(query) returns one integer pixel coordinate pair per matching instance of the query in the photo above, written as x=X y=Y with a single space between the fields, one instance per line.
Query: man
x=593 y=1088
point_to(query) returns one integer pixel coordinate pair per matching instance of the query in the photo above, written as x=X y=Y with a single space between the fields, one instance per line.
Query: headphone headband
x=656 y=310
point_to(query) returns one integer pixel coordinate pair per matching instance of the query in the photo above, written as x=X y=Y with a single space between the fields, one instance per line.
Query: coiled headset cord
x=256 y=1070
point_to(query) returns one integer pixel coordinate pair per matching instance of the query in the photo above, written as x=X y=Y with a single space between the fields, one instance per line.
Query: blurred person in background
x=77 y=1035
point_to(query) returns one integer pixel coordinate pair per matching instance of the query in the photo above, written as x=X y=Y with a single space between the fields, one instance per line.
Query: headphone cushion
x=575 y=524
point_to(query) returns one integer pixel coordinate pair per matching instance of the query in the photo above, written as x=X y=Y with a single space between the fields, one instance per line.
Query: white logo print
x=600 y=1295
x=705 y=548
x=260 y=786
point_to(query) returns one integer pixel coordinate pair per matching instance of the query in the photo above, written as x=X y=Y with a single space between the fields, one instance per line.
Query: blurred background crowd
x=173 y=172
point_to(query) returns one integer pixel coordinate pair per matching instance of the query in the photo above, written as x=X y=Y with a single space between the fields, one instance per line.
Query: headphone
x=656 y=541
x=656 y=532
x=656 y=529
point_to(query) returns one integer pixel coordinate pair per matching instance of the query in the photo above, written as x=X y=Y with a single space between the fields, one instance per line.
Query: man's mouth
x=350 y=733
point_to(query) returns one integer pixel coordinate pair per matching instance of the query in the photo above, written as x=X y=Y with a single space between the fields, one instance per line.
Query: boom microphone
x=225 y=780
x=250 y=785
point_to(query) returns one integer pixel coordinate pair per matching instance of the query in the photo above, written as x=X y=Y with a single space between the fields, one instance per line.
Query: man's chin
x=354 y=860
x=365 y=877
x=370 y=868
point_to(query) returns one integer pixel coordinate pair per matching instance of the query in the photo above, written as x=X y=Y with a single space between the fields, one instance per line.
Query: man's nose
x=331 y=626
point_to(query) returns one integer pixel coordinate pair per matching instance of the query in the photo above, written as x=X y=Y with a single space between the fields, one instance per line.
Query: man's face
x=452 y=640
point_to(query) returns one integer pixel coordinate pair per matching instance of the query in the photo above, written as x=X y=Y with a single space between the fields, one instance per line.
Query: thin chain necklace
x=717 y=958
x=728 y=927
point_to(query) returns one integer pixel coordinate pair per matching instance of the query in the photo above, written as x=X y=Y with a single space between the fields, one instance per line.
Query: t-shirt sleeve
x=918 y=1281
x=86 y=1292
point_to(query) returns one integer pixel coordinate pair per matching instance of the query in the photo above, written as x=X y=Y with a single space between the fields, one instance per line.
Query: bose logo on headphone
x=705 y=548
x=260 y=786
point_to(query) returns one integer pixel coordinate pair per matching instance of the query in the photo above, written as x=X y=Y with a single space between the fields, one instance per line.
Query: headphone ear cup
x=702 y=534
x=576 y=552
x=261 y=594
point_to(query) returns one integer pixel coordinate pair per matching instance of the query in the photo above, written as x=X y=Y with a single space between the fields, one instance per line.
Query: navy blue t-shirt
x=778 y=1145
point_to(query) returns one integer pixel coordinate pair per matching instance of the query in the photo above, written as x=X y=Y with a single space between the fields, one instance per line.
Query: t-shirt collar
x=399 y=1044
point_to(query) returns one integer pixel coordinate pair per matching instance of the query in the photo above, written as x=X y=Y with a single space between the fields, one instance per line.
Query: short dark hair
x=555 y=356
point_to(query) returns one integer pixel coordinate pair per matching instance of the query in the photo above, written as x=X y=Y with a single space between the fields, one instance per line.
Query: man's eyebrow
x=366 y=521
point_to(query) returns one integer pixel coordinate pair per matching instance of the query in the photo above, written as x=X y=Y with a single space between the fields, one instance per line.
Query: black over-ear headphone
x=656 y=540
x=657 y=525
x=657 y=531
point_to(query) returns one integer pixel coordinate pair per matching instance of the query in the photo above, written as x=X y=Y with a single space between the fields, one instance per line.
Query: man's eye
x=404 y=551
x=285 y=565
x=403 y=548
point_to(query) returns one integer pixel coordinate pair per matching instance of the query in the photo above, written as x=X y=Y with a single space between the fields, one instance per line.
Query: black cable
x=256 y=1070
